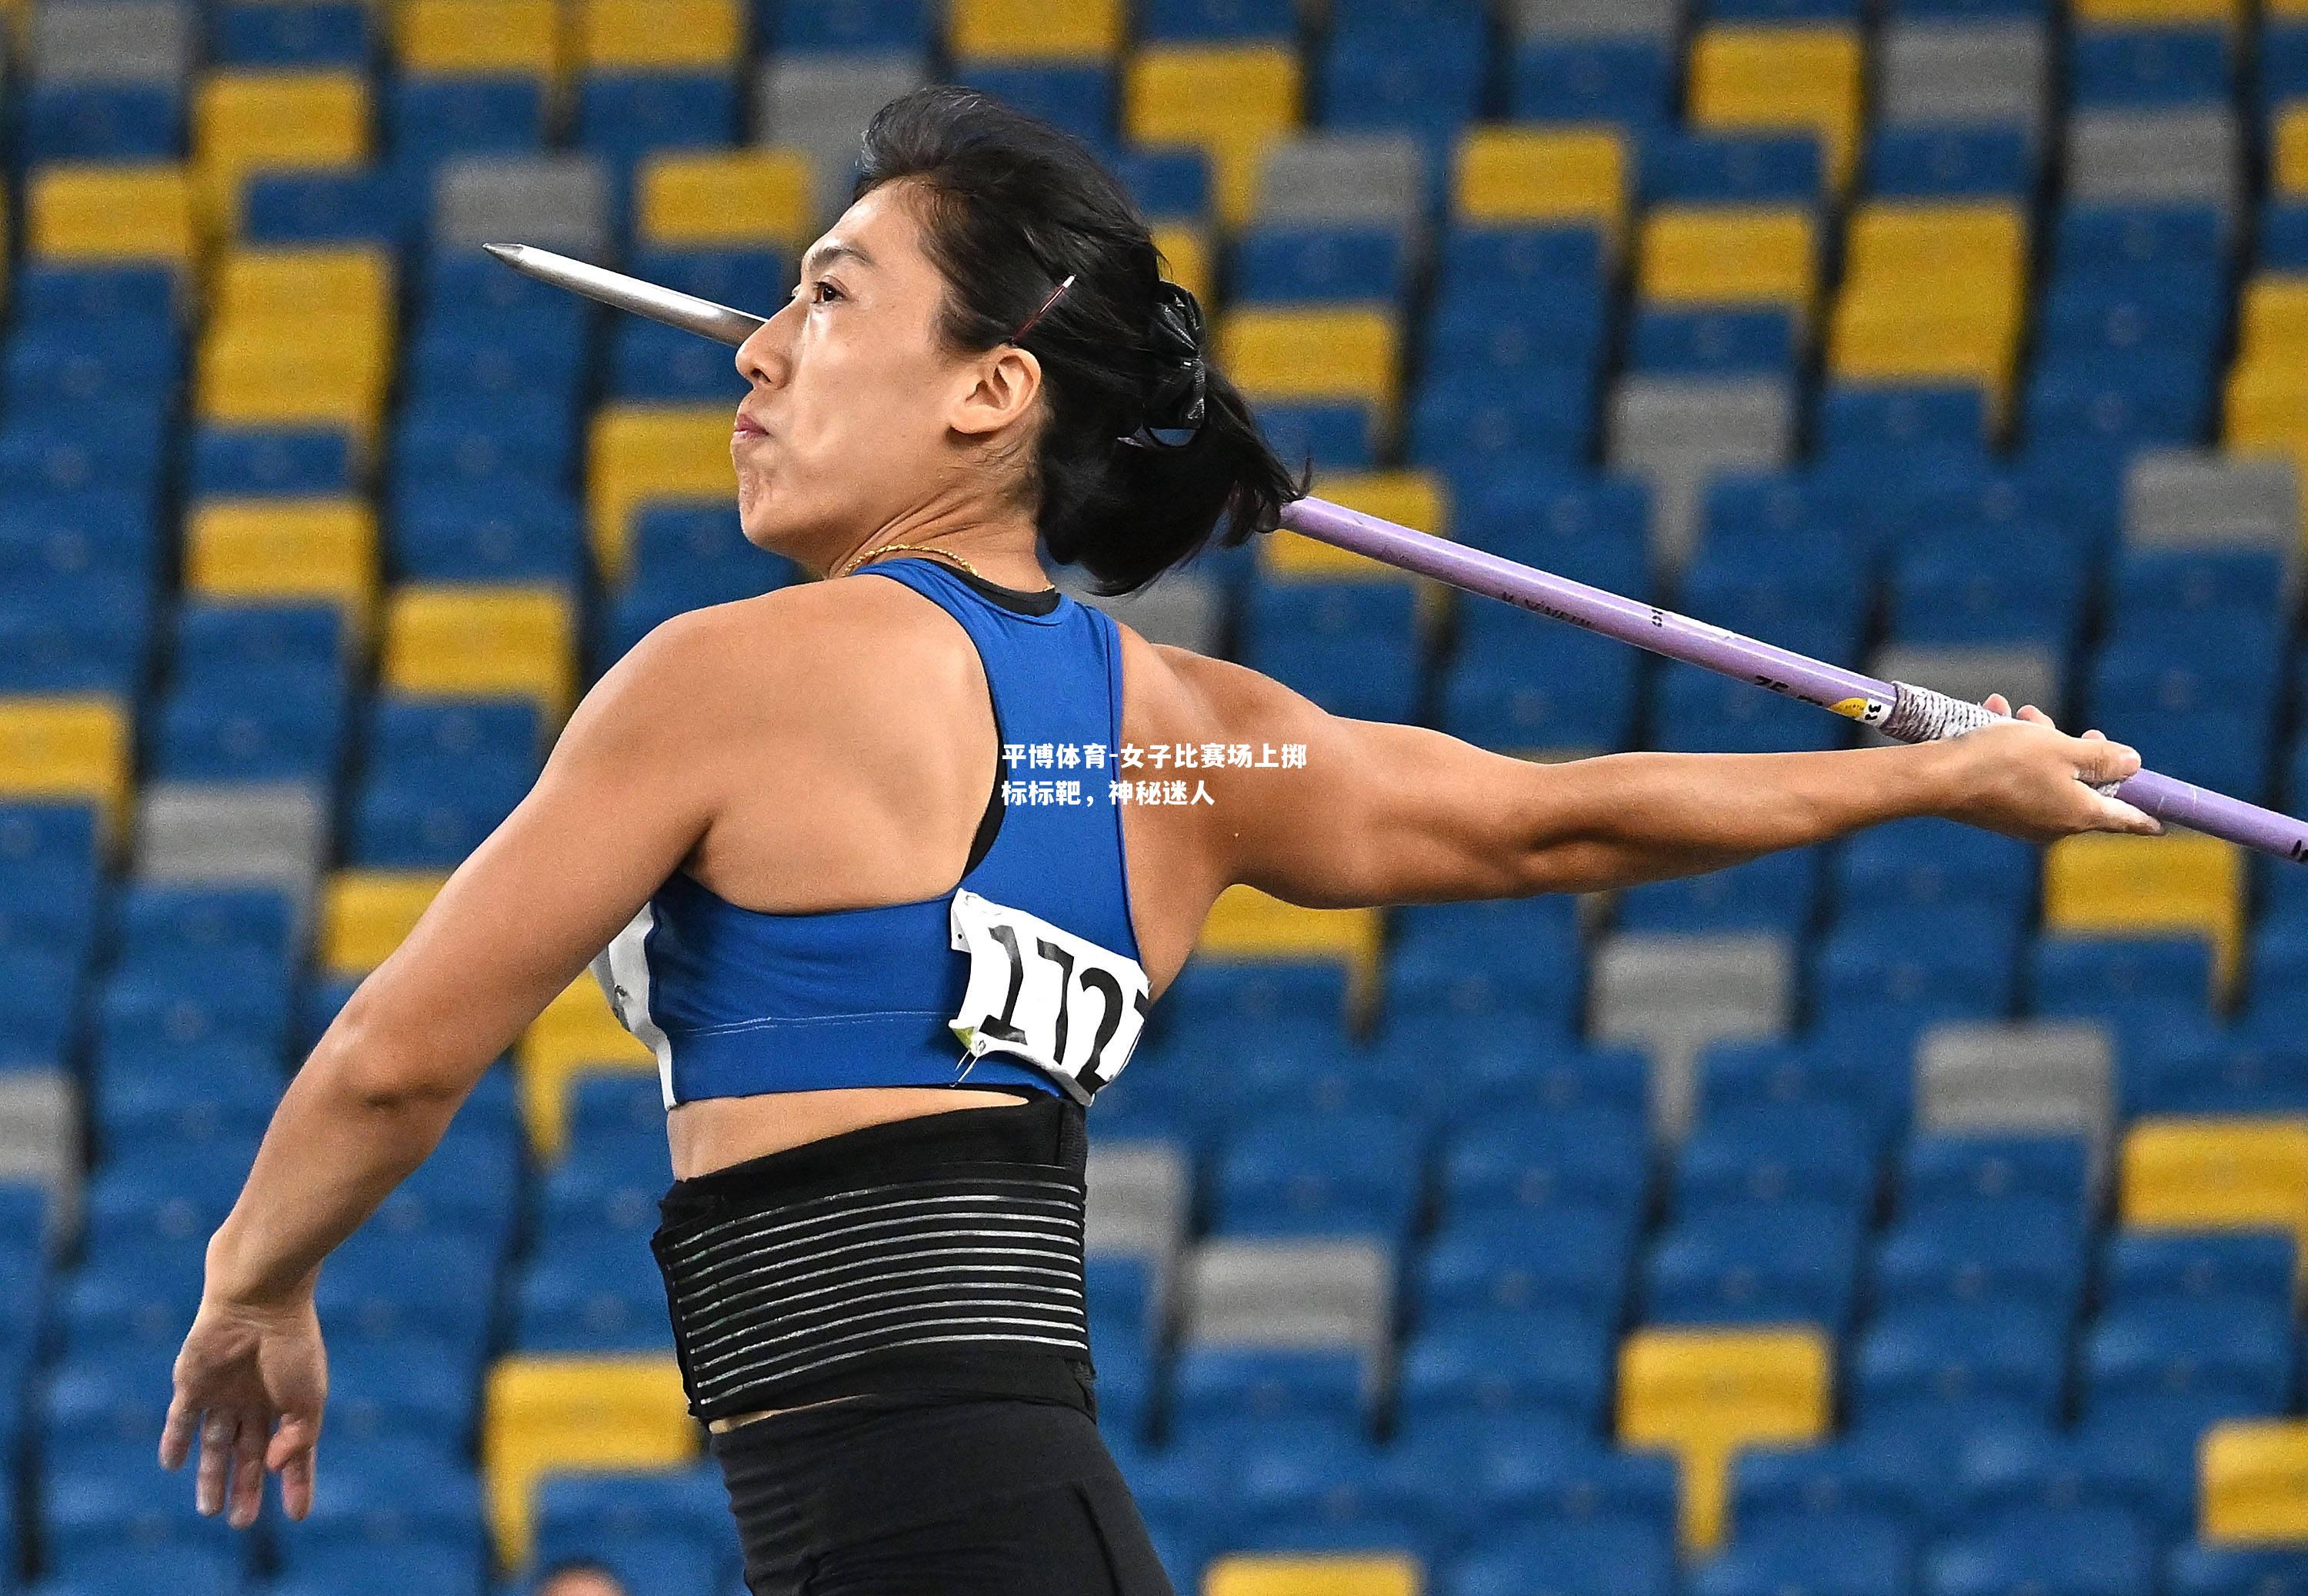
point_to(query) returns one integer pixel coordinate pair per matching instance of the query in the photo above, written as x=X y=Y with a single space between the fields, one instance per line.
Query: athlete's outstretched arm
x=626 y=792
x=1385 y=813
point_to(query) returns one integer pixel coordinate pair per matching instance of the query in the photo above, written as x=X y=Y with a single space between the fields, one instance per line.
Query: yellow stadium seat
x=2273 y=318
x=1761 y=79
x=1726 y=255
x=546 y=1414
x=2149 y=886
x=85 y=212
x=1879 y=342
x=2252 y=1479
x=324 y=283
x=1185 y=251
x=2268 y=402
x=1543 y=174
x=719 y=199
x=1246 y=923
x=2156 y=14
x=1036 y=29
x=1232 y=100
x=2287 y=150
x=1346 y=355
x=1247 y=1573
x=657 y=36
x=1704 y=1393
x=2206 y=1172
x=367 y=913
x=642 y=454
x=246 y=121
x=64 y=746
x=576 y=1033
x=453 y=637
x=458 y=39
x=1416 y=499
x=284 y=548
x=1955 y=250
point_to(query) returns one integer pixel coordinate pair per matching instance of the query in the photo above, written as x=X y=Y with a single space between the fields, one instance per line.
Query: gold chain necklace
x=920 y=547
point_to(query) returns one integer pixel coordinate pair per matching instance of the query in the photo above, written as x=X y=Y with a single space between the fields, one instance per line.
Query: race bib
x=1038 y=992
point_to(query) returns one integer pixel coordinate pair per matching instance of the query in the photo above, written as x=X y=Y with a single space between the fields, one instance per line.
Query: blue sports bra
x=736 y=1001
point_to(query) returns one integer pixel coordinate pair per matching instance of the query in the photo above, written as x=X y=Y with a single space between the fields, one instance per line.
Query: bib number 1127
x=1038 y=991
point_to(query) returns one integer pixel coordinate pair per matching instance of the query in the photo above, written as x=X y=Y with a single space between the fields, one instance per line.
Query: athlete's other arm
x=1385 y=813
x=629 y=787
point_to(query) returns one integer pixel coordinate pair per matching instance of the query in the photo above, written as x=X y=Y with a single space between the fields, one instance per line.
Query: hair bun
x=1176 y=387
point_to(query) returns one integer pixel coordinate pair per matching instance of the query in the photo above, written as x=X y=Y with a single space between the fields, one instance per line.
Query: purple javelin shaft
x=1901 y=709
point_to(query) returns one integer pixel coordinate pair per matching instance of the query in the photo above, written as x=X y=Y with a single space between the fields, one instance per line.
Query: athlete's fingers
x=297 y=1485
x=290 y=1455
x=216 y=1461
x=2100 y=760
x=1997 y=704
x=176 y=1432
x=2116 y=815
x=246 y=1494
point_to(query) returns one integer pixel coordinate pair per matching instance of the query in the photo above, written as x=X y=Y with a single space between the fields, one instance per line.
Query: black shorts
x=915 y=1494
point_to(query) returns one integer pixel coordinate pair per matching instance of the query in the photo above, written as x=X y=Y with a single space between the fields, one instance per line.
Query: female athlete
x=821 y=850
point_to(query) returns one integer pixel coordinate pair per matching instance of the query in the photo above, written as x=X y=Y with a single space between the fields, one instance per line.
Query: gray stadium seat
x=270 y=833
x=1181 y=607
x=1596 y=19
x=1675 y=432
x=1295 y=1293
x=558 y=200
x=1962 y=74
x=821 y=104
x=2022 y=674
x=2155 y=157
x=1137 y=1199
x=1674 y=994
x=2052 y=1077
x=111 y=41
x=1377 y=179
x=40 y=1136
x=2193 y=498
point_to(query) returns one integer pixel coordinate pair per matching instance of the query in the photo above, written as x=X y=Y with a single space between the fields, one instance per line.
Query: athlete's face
x=861 y=422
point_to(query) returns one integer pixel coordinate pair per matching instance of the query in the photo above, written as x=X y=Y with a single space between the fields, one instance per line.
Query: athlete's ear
x=1002 y=386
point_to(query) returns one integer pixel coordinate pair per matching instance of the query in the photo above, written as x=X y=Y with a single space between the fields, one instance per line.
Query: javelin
x=1898 y=710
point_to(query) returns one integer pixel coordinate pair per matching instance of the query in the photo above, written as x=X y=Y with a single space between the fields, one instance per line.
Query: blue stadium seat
x=1775 y=892
x=1572 y=1257
x=1951 y=163
x=1217 y=1384
x=1951 y=1166
x=2149 y=66
x=1816 y=1152
x=1624 y=1557
x=1319 y=1174
x=626 y=116
x=1711 y=168
x=1508 y=1361
x=1217 y=20
x=1627 y=80
x=2230 y=1347
x=2007 y=1350
x=1317 y=264
x=1543 y=1159
x=1712 y=342
x=1844 y=1555
x=102 y=122
x=2083 y=1551
x=1749 y=1262
x=585 y=1294
x=1983 y=1249
x=1078 y=98
x=329 y=33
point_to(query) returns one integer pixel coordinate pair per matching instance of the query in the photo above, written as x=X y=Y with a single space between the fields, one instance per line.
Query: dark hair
x=1132 y=475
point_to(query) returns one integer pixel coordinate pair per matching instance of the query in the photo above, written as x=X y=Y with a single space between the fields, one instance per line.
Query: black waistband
x=941 y=1252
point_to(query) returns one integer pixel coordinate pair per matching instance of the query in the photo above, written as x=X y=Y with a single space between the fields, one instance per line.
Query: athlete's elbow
x=374 y=1061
